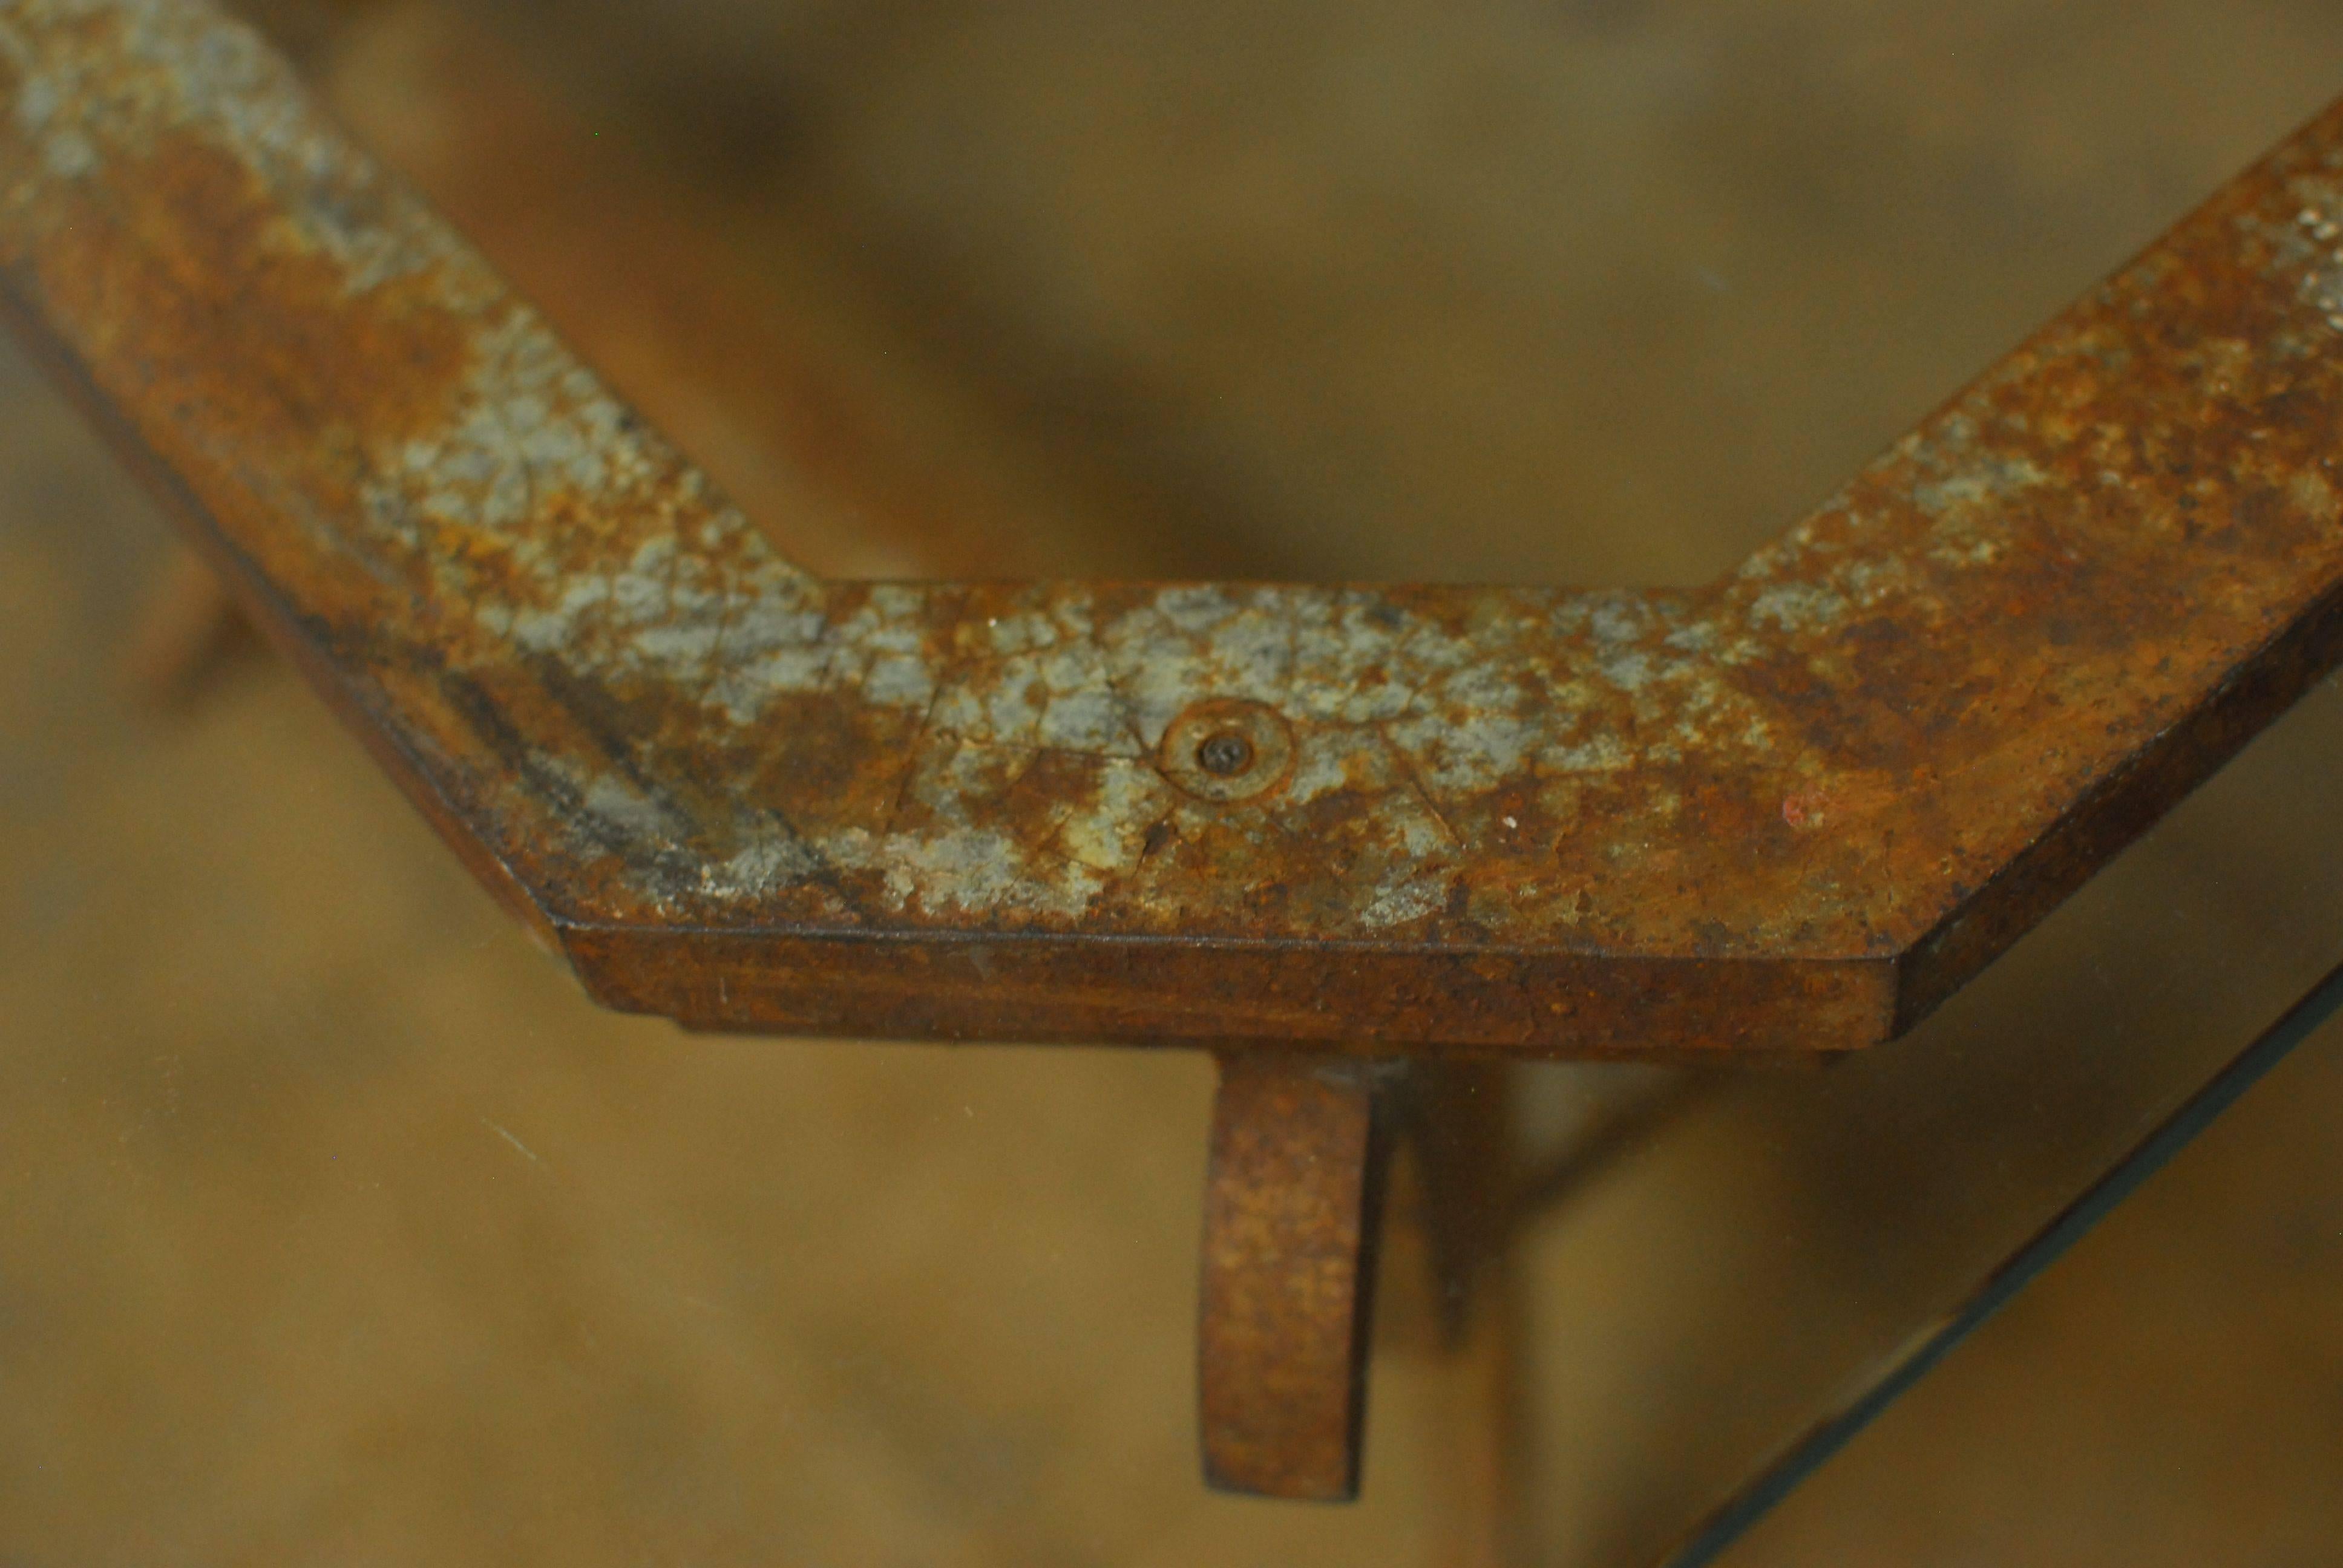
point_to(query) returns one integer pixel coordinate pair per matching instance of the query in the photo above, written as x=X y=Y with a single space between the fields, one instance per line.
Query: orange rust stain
x=235 y=348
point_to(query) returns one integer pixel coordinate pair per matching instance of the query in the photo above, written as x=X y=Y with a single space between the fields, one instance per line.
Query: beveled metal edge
x=1788 y=811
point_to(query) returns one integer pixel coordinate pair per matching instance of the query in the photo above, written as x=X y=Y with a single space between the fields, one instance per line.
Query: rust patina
x=1291 y=1219
x=1788 y=811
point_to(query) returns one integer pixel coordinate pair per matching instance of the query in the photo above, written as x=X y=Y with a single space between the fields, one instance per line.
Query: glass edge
x=1806 y=1454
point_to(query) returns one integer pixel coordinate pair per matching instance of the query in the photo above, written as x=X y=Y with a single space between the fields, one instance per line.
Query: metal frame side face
x=1788 y=811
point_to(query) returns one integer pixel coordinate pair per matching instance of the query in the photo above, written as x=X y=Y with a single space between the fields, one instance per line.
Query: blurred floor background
x=336 y=1227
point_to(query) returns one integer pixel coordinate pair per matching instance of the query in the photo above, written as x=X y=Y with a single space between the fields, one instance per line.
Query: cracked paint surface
x=1786 y=810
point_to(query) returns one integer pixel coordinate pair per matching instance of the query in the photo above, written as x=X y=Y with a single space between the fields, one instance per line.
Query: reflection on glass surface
x=335 y=1225
x=1746 y=1271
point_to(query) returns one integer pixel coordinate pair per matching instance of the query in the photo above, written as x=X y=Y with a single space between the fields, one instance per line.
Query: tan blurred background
x=334 y=1227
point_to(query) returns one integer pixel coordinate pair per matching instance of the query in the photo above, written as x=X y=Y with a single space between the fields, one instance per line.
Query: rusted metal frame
x=1301 y=1156
x=1788 y=811
x=1293 y=1217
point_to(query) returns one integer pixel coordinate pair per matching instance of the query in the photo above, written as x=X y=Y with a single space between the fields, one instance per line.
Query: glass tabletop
x=334 y=1223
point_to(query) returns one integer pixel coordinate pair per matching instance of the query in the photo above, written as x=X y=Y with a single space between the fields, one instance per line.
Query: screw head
x=1224 y=754
x=1225 y=749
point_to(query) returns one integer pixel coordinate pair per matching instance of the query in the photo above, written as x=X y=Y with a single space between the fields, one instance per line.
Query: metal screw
x=1225 y=754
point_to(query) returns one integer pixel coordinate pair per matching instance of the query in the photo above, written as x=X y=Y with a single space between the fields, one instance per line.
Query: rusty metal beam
x=1787 y=811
